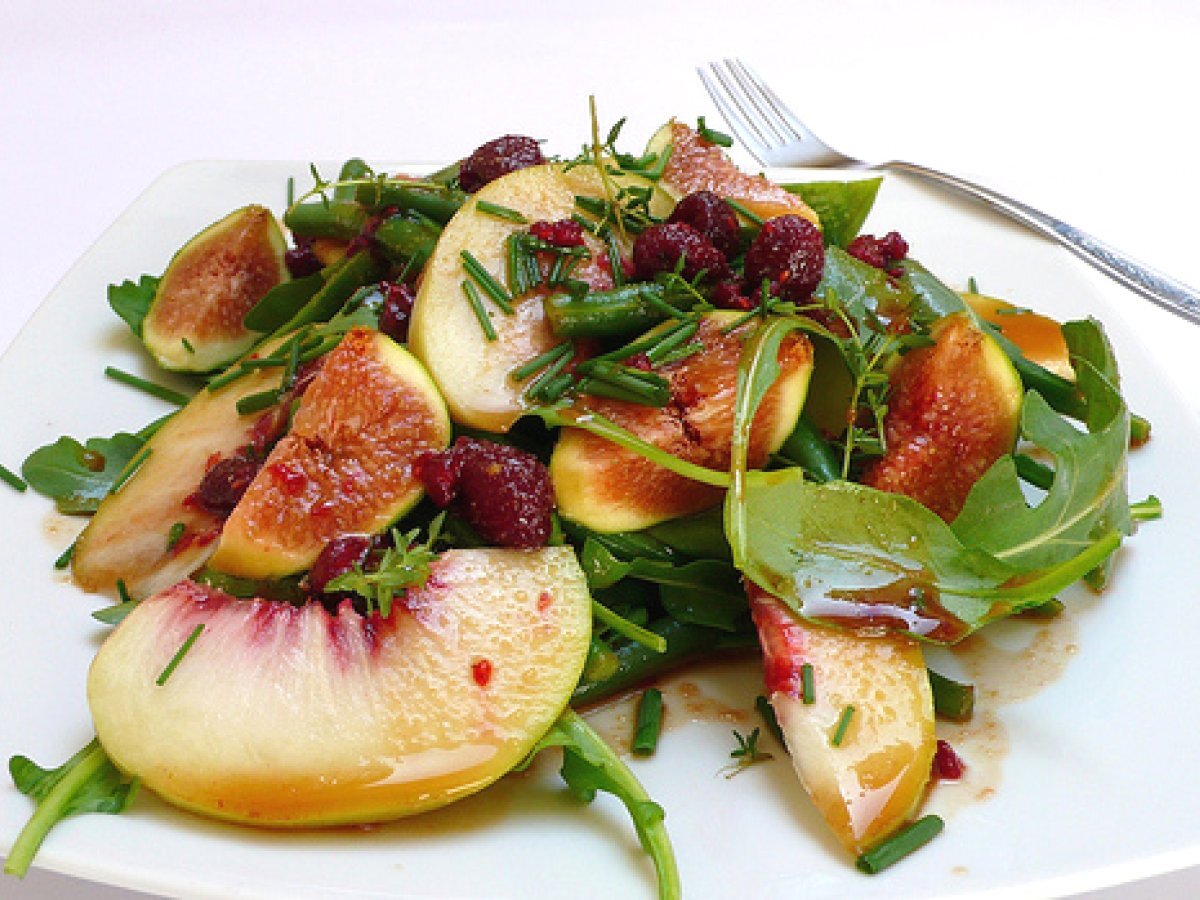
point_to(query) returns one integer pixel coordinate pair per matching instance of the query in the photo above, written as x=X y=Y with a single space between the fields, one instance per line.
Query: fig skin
x=292 y=716
x=209 y=286
x=608 y=488
x=346 y=466
x=954 y=410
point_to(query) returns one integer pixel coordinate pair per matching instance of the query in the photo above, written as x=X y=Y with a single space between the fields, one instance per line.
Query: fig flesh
x=608 y=488
x=346 y=466
x=194 y=323
x=291 y=716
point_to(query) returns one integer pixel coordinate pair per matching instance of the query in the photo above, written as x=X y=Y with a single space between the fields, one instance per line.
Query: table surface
x=1082 y=108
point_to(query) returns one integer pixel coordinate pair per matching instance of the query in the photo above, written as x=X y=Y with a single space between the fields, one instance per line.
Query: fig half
x=609 y=488
x=194 y=323
x=291 y=716
x=346 y=466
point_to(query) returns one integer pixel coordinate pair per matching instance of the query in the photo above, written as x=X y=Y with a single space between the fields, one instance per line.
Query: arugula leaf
x=78 y=476
x=131 y=300
x=282 y=302
x=87 y=782
x=590 y=765
x=842 y=206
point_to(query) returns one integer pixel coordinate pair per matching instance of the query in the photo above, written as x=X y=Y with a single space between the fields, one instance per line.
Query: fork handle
x=1150 y=283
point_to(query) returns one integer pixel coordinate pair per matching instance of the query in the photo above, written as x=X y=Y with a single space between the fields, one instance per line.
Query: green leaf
x=78 y=476
x=131 y=300
x=590 y=765
x=87 y=782
x=282 y=302
x=726 y=612
x=842 y=206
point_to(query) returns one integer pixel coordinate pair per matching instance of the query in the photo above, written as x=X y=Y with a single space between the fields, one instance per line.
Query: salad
x=477 y=450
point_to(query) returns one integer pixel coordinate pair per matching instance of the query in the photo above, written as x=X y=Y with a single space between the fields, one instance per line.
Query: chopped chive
x=516 y=255
x=291 y=191
x=501 y=212
x=64 y=558
x=672 y=341
x=12 y=479
x=187 y=345
x=544 y=359
x=1146 y=510
x=267 y=362
x=652 y=389
x=149 y=387
x=179 y=655
x=487 y=282
x=631 y=630
x=644 y=344
x=227 y=377
x=954 y=700
x=649 y=722
x=553 y=373
x=1034 y=471
x=807 y=689
x=842 y=725
x=615 y=266
x=253 y=403
x=972 y=285
x=152 y=429
x=175 y=535
x=485 y=321
x=130 y=469
x=123 y=591
x=594 y=387
x=682 y=353
x=900 y=845
x=745 y=213
x=553 y=390
x=739 y=322
x=763 y=705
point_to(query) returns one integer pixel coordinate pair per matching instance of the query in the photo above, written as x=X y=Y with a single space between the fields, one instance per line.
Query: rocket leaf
x=78 y=476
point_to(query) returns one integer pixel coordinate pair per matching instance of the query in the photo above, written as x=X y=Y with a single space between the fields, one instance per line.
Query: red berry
x=396 y=310
x=498 y=157
x=728 y=295
x=660 y=247
x=224 y=484
x=301 y=260
x=947 y=765
x=339 y=556
x=712 y=217
x=563 y=233
x=789 y=253
x=882 y=253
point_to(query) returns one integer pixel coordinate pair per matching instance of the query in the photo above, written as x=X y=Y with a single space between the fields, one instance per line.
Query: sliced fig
x=473 y=372
x=129 y=537
x=346 y=466
x=867 y=780
x=954 y=410
x=195 y=321
x=1039 y=337
x=608 y=488
x=697 y=165
x=291 y=716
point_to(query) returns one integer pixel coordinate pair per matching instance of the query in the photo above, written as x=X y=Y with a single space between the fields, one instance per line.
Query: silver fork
x=776 y=137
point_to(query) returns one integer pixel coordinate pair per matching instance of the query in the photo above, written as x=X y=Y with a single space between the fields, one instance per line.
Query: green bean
x=621 y=311
x=951 y=699
x=437 y=202
x=807 y=448
x=352 y=169
x=340 y=219
x=408 y=241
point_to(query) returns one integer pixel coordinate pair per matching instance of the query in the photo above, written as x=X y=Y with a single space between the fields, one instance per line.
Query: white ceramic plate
x=1090 y=781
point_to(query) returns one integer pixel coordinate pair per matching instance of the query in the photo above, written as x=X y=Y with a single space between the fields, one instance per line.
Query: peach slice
x=866 y=784
x=472 y=372
x=292 y=716
x=609 y=488
x=346 y=466
x=697 y=165
x=127 y=538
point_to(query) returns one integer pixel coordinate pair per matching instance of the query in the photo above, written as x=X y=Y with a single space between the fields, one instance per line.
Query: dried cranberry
x=498 y=157
x=639 y=361
x=224 y=484
x=660 y=247
x=396 y=310
x=305 y=374
x=882 y=253
x=301 y=260
x=503 y=492
x=947 y=765
x=712 y=217
x=788 y=252
x=563 y=233
x=728 y=295
x=339 y=556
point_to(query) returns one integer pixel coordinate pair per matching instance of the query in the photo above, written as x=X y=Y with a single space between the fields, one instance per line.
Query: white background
x=1084 y=109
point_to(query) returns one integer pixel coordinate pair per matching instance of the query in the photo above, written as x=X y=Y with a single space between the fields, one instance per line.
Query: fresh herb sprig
x=406 y=564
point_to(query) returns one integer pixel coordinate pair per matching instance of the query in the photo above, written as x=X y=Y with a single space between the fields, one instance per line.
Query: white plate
x=1097 y=784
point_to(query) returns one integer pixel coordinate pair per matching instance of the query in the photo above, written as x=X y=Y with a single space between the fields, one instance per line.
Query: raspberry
x=947 y=765
x=396 y=310
x=788 y=252
x=728 y=295
x=712 y=217
x=502 y=492
x=660 y=247
x=882 y=253
x=563 y=233
x=498 y=157
x=224 y=484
